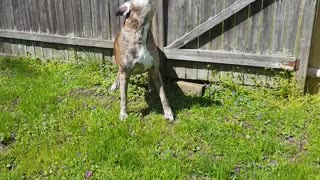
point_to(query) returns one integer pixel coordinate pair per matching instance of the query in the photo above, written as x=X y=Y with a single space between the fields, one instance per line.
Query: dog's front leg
x=157 y=80
x=124 y=80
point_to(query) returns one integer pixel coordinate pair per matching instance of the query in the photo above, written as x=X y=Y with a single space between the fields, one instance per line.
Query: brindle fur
x=136 y=37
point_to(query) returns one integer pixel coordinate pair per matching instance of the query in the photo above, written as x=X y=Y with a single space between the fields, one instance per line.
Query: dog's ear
x=124 y=10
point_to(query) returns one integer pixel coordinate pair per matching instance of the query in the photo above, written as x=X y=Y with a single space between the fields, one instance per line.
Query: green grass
x=58 y=121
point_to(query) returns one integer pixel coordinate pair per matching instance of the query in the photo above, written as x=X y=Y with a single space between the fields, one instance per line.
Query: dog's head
x=138 y=6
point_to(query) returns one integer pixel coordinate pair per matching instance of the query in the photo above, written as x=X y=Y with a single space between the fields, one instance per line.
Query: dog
x=135 y=52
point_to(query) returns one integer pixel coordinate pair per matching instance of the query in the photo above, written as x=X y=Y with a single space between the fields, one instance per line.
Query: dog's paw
x=114 y=86
x=123 y=116
x=169 y=117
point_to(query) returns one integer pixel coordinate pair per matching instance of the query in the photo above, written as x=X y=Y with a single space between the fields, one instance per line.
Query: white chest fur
x=144 y=56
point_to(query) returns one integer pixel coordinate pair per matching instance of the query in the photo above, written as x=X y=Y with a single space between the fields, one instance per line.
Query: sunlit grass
x=59 y=121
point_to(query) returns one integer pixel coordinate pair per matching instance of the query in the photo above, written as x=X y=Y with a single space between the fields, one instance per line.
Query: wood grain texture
x=95 y=19
x=205 y=14
x=3 y=16
x=68 y=17
x=193 y=16
x=315 y=53
x=171 y=23
x=77 y=18
x=309 y=8
x=44 y=26
x=86 y=18
x=115 y=21
x=9 y=14
x=104 y=21
x=228 y=26
x=18 y=20
x=60 y=18
x=51 y=16
x=278 y=62
x=217 y=31
x=25 y=13
x=34 y=15
x=212 y=22
x=266 y=26
x=240 y=31
x=56 y=39
x=255 y=22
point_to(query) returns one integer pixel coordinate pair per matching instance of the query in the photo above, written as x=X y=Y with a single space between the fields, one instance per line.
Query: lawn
x=59 y=121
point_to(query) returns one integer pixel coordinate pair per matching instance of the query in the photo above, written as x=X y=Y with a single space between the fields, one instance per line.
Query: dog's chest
x=144 y=56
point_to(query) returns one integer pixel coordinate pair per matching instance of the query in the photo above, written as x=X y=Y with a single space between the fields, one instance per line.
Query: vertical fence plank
x=171 y=24
x=193 y=21
x=6 y=46
x=34 y=16
x=3 y=17
x=38 y=51
x=51 y=16
x=182 y=20
x=279 y=27
x=255 y=24
x=266 y=26
x=115 y=22
x=159 y=23
x=9 y=14
x=95 y=19
x=204 y=16
x=77 y=15
x=86 y=18
x=216 y=32
x=228 y=28
x=241 y=29
x=293 y=13
x=43 y=16
x=17 y=48
x=18 y=21
x=10 y=25
x=308 y=8
x=61 y=28
x=1 y=46
x=60 y=18
x=3 y=24
x=68 y=17
x=26 y=47
x=25 y=13
x=103 y=10
x=30 y=51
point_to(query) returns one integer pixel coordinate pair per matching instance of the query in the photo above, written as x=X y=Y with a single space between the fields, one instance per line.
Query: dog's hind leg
x=150 y=82
x=157 y=80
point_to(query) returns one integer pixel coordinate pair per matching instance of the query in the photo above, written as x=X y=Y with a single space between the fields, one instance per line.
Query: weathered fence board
x=272 y=33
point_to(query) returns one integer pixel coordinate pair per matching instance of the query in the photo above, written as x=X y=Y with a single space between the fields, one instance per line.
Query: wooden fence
x=201 y=40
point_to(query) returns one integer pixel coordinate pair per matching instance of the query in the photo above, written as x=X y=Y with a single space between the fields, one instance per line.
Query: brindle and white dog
x=136 y=52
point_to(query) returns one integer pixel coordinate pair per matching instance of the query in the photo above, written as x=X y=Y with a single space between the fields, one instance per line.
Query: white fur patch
x=145 y=58
x=144 y=55
x=128 y=4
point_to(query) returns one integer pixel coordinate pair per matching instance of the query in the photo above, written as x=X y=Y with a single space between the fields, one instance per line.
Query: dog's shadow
x=177 y=100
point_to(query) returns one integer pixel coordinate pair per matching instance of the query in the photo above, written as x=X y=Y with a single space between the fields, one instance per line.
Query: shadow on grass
x=18 y=65
x=177 y=99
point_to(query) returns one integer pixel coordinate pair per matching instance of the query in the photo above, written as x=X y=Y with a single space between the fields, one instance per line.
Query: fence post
x=158 y=32
x=305 y=41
